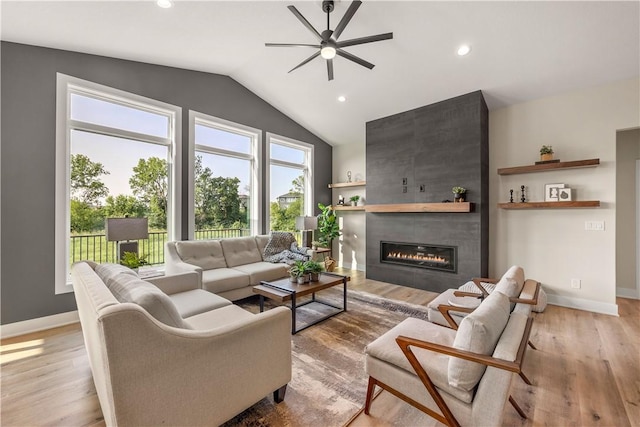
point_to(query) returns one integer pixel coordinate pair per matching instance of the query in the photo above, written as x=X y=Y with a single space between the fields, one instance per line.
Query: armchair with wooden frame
x=428 y=365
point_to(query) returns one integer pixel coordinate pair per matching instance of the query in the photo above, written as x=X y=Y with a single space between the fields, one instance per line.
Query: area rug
x=328 y=383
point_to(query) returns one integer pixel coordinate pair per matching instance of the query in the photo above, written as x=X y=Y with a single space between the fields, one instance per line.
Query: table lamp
x=127 y=232
x=306 y=225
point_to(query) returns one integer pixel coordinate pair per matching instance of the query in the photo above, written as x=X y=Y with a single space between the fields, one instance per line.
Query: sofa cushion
x=217 y=318
x=517 y=273
x=224 y=279
x=206 y=254
x=261 y=241
x=240 y=251
x=259 y=271
x=508 y=286
x=127 y=288
x=479 y=333
x=196 y=301
x=385 y=348
x=109 y=270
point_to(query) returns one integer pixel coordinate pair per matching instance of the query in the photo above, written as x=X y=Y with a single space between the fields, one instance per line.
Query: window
x=290 y=181
x=117 y=154
x=224 y=184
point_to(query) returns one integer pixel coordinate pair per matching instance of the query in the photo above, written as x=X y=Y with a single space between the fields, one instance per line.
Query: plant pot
x=293 y=279
x=546 y=157
x=458 y=197
x=314 y=277
x=353 y=203
x=301 y=280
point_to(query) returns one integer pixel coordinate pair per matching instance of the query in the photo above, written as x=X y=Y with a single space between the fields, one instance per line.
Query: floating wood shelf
x=348 y=184
x=421 y=207
x=348 y=208
x=551 y=205
x=589 y=163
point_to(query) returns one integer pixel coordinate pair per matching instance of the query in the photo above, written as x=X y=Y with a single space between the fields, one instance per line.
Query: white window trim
x=255 y=135
x=307 y=167
x=65 y=86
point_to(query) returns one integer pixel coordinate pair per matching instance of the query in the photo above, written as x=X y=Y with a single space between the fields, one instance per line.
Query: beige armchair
x=458 y=377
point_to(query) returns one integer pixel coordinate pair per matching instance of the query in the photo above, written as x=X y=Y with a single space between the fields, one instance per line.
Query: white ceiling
x=520 y=50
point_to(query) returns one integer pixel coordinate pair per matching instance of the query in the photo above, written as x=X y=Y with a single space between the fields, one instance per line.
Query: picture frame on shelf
x=565 y=194
x=551 y=192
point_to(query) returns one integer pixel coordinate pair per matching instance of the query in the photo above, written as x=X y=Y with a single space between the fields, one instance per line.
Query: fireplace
x=433 y=257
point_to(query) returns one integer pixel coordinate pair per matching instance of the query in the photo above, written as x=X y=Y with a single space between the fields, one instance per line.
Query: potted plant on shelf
x=354 y=200
x=296 y=272
x=459 y=193
x=313 y=269
x=546 y=153
x=133 y=260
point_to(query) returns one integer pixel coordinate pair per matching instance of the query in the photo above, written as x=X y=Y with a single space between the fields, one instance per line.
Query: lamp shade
x=119 y=229
x=306 y=222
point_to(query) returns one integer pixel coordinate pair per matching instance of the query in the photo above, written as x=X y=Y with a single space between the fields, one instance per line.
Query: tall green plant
x=327 y=225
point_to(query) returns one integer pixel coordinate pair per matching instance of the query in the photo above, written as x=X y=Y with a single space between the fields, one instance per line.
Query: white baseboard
x=583 y=304
x=40 y=324
x=628 y=293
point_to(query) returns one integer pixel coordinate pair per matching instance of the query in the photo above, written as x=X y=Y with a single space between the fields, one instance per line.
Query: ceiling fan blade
x=317 y=46
x=305 y=61
x=354 y=58
x=368 y=39
x=346 y=18
x=330 y=69
x=304 y=21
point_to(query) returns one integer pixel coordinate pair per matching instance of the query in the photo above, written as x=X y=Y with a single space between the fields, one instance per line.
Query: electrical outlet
x=404 y=189
x=576 y=283
x=404 y=181
x=594 y=225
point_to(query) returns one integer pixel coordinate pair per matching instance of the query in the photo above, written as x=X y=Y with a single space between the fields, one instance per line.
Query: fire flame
x=418 y=257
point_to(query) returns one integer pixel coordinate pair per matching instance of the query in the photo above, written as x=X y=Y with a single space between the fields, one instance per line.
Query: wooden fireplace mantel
x=420 y=207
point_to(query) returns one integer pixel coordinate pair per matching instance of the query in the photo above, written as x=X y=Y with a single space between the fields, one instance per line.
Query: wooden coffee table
x=284 y=290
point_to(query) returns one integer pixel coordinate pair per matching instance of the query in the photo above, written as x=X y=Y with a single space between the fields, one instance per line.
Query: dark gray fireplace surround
x=434 y=148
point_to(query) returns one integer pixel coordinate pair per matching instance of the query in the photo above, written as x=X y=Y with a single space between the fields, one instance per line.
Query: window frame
x=66 y=86
x=254 y=157
x=307 y=167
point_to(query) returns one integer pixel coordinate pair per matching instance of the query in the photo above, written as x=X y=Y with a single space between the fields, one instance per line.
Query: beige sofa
x=227 y=267
x=170 y=353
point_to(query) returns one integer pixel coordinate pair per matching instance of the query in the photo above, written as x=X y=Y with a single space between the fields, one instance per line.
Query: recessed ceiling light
x=341 y=98
x=464 y=49
x=165 y=4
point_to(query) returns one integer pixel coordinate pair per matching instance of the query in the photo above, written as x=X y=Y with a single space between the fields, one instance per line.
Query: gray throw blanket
x=283 y=248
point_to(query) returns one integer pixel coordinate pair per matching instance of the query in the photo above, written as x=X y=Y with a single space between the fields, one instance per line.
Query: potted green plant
x=133 y=260
x=296 y=271
x=459 y=193
x=354 y=200
x=546 y=153
x=313 y=268
x=328 y=228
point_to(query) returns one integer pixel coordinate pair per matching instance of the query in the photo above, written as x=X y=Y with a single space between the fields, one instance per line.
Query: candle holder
x=523 y=198
x=511 y=196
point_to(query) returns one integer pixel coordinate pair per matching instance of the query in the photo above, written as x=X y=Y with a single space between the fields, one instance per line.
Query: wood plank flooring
x=586 y=372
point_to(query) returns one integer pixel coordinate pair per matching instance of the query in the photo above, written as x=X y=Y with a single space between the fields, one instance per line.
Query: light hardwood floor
x=586 y=372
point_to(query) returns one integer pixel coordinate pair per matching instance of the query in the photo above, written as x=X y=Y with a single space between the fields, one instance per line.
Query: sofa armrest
x=175 y=283
x=529 y=293
x=195 y=377
x=477 y=281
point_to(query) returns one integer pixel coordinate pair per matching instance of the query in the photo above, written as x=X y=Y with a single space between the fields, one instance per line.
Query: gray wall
x=440 y=146
x=28 y=153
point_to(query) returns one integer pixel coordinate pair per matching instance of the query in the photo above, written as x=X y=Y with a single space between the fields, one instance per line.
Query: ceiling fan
x=329 y=45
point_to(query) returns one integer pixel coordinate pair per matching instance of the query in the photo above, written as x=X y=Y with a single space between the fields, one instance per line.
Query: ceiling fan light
x=464 y=49
x=328 y=52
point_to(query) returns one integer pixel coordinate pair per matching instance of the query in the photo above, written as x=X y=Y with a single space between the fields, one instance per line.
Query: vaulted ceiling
x=519 y=50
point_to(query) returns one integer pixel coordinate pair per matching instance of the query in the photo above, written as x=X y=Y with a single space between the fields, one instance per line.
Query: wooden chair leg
x=278 y=395
x=370 y=388
x=531 y=345
x=516 y=407
x=525 y=379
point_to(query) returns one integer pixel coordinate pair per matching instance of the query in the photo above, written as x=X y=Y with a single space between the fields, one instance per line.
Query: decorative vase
x=546 y=157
